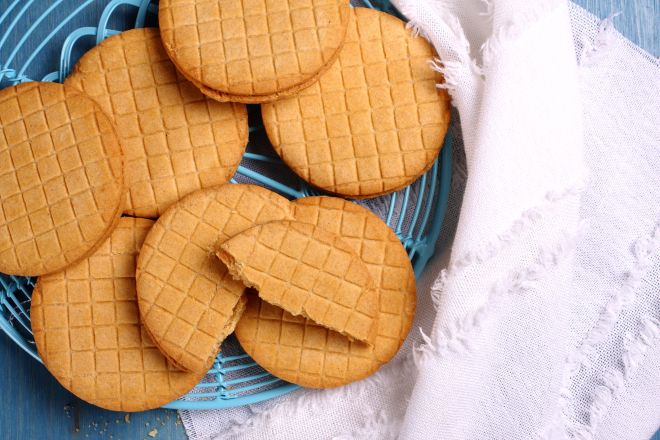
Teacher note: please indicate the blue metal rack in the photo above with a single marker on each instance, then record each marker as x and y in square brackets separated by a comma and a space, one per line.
[414, 213]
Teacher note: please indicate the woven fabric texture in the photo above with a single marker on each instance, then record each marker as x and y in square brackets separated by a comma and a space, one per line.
[547, 319]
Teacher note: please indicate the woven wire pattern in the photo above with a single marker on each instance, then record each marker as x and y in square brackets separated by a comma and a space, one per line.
[47, 50]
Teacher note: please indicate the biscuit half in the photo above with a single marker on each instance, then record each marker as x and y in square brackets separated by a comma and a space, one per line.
[308, 272]
[175, 139]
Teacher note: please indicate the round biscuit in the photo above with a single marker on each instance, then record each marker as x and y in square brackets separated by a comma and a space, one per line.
[247, 51]
[375, 120]
[175, 139]
[88, 333]
[188, 301]
[61, 177]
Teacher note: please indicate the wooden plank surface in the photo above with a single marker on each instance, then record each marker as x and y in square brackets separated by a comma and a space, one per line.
[34, 406]
[639, 19]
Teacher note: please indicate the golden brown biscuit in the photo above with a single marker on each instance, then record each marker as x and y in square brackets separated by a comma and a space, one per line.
[252, 51]
[303, 352]
[175, 139]
[374, 122]
[308, 272]
[385, 258]
[300, 351]
[61, 178]
[87, 329]
[188, 301]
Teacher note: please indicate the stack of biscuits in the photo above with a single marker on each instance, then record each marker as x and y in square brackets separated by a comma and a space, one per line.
[114, 192]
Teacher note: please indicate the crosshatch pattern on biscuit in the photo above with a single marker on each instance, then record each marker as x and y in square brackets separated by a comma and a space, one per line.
[375, 120]
[186, 294]
[87, 329]
[60, 176]
[252, 47]
[309, 272]
[176, 140]
[385, 258]
[300, 351]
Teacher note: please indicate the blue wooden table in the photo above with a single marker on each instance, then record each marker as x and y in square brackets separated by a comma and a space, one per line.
[34, 406]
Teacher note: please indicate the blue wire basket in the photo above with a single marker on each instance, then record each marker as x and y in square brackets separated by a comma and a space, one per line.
[42, 40]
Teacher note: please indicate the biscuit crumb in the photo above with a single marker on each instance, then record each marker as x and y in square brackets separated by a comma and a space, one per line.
[153, 433]
[127, 418]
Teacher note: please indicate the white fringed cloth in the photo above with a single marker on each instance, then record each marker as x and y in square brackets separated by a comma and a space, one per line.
[540, 315]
